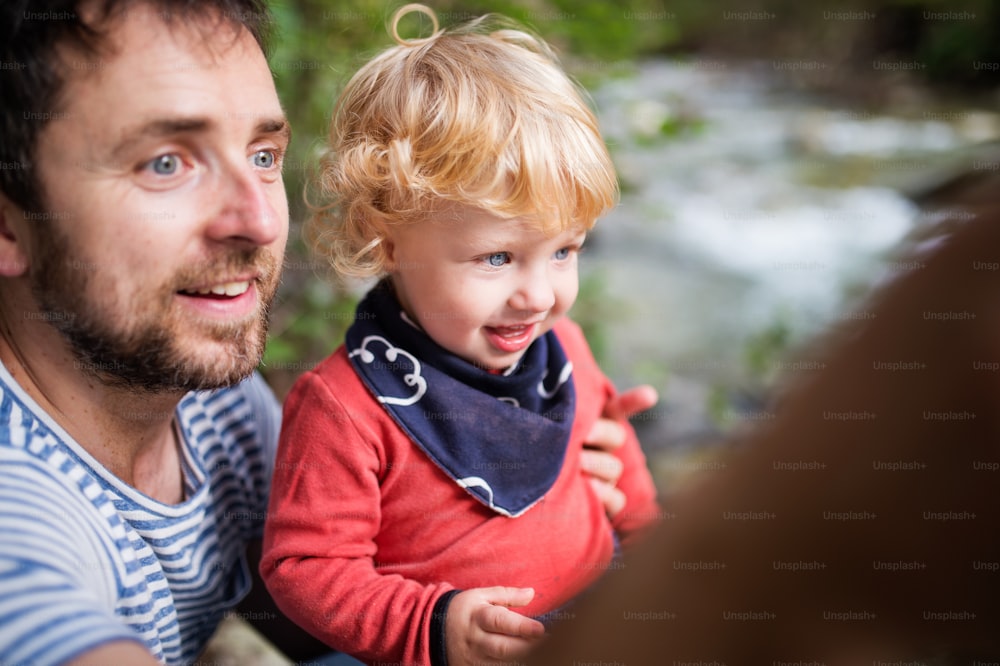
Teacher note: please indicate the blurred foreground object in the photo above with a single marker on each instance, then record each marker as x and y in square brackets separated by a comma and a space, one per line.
[237, 643]
[859, 523]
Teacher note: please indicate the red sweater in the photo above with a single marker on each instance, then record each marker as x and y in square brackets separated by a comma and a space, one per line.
[364, 532]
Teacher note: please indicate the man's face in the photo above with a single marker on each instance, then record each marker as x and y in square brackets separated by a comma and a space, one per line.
[166, 221]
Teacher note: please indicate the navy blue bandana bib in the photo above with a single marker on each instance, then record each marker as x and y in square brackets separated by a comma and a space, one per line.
[501, 437]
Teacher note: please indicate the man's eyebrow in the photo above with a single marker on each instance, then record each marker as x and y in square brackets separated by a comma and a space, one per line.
[168, 127]
[277, 126]
[159, 128]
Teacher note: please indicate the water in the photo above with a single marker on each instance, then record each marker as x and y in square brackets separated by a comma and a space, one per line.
[761, 210]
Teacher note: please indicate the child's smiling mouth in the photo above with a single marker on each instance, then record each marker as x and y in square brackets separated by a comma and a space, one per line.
[510, 339]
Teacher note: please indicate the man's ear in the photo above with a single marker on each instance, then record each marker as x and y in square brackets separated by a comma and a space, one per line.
[13, 256]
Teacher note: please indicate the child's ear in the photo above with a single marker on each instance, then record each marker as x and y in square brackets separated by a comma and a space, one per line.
[388, 252]
[13, 258]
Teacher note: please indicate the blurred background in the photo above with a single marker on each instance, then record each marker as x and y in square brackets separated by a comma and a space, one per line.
[777, 160]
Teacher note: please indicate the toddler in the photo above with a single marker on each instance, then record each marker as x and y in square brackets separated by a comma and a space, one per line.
[428, 476]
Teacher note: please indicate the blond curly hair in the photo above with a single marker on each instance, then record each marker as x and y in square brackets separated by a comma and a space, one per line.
[481, 114]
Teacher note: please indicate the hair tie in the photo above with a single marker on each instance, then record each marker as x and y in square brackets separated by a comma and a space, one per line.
[403, 11]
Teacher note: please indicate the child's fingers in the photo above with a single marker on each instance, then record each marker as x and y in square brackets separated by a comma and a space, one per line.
[482, 629]
[503, 621]
[507, 596]
[631, 402]
[506, 648]
[601, 465]
[606, 435]
[613, 499]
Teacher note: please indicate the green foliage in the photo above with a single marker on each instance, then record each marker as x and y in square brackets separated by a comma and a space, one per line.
[718, 406]
[592, 308]
[951, 47]
[764, 350]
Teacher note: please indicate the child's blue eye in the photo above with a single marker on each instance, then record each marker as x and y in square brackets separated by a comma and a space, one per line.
[562, 254]
[498, 259]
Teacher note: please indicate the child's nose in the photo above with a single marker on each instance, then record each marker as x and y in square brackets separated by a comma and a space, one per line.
[534, 292]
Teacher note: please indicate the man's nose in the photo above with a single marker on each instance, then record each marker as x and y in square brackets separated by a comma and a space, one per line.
[246, 211]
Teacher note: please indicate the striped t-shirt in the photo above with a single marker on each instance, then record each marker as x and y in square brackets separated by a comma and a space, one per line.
[86, 559]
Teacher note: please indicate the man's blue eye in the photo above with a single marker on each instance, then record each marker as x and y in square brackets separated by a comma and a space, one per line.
[165, 165]
[263, 159]
[498, 259]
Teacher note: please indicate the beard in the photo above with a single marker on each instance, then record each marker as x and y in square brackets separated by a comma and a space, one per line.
[138, 345]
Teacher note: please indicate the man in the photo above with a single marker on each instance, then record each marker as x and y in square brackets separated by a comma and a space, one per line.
[143, 220]
[140, 245]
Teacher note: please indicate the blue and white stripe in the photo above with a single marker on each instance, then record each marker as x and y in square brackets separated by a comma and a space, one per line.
[86, 559]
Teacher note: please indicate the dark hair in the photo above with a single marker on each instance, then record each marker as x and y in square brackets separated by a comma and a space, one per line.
[31, 76]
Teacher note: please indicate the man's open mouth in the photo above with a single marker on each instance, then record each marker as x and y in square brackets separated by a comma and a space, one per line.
[225, 289]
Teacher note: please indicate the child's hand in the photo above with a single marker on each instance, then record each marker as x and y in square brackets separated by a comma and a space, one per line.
[480, 628]
[607, 436]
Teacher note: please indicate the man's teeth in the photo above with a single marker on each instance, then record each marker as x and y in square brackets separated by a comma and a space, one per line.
[226, 289]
